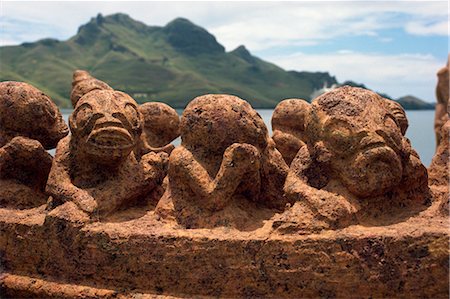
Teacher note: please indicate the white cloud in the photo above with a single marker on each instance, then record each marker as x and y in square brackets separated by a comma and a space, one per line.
[269, 25]
[396, 75]
[260, 25]
[422, 28]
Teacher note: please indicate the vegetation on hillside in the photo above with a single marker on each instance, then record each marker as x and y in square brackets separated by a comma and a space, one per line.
[172, 64]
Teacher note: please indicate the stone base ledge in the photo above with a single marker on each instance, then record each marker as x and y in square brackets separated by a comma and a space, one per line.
[16, 286]
[144, 255]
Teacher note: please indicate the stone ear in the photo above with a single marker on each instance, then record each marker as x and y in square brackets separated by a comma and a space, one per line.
[321, 153]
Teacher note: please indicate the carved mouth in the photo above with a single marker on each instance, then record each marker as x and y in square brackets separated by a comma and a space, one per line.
[111, 138]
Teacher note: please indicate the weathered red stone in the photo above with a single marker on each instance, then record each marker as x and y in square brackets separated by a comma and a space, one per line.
[227, 171]
[442, 96]
[161, 126]
[30, 123]
[288, 126]
[95, 167]
[356, 166]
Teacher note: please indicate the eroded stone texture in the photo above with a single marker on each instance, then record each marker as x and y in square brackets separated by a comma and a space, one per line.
[442, 96]
[95, 167]
[30, 123]
[399, 115]
[438, 172]
[83, 83]
[288, 125]
[227, 171]
[356, 167]
[161, 126]
[55, 255]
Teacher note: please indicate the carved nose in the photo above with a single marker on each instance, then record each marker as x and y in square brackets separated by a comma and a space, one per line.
[109, 120]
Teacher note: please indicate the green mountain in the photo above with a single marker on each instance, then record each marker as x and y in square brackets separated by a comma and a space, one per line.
[412, 103]
[172, 64]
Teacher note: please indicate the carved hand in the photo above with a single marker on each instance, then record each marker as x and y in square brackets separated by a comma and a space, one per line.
[154, 166]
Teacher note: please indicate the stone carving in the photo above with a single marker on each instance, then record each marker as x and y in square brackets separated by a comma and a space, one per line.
[288, 125]
[399, 115]
[356, 166]
[438, 175]
[83, 83]
[227, 171]
[30, 123]
[442, 96]
[160, 127]
[96, 167]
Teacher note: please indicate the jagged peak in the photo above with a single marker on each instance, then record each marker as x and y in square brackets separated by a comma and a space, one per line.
[191, 39]
[243, 53]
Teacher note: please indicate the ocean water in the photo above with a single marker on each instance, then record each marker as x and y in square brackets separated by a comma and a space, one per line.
[420, 131]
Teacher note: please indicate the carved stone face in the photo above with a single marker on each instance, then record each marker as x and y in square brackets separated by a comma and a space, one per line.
[363, 138]
[27, 111]
[106, 125]
[211, 123]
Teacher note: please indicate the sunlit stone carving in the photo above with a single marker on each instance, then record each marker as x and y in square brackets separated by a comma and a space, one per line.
[356, 166]
[95, 167]
[227, 171]
[30, 123]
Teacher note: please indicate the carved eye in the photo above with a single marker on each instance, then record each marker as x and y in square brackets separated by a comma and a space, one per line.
[340, 139]
[132, 114]
[83, 114]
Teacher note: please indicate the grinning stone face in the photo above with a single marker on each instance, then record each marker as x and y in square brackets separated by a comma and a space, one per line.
[363, 137]
[106, 125]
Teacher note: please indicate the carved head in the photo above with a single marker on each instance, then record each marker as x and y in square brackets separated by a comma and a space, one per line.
[27, 111]
[352, 130]
[106, 125]
[211, 123]
[399, 113]
[161, 123]
[83, 83]
[290, 115]
[288, 125]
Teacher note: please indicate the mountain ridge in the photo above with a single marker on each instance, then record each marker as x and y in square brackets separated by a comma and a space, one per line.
[171, 63]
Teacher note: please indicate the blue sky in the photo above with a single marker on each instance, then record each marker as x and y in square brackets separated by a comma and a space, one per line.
[394, 47]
